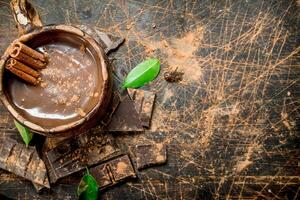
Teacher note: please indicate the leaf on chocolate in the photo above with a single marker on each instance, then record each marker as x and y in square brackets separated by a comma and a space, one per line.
[88, 187]
[25, 133]
[143, 73]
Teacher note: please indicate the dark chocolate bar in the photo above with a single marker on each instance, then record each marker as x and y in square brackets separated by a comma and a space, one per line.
[75, 154]
[150, 154]
[22, 161]
[144, 103]
[113, 172]
[125, 117]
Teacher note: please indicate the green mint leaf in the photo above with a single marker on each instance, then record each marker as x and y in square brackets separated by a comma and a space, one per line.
[143, 73]
[25, 133]
[88, 188]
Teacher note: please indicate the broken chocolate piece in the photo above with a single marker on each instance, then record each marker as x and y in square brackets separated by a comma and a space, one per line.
[113, 172]
[108, 42]
[144, 103]
[74, 154]
[150, 155]
[121, 168]
[22, 161]
[102, 174]
[173, 76]
[125, 118]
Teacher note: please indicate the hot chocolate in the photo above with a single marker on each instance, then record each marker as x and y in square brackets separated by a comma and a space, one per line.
[70, 86]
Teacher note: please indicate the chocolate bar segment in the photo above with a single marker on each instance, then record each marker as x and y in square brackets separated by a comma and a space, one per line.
[150, 155]
[121, 168]
[101, 174]
[20, 164]
[125, 118]
[75, 154]
[22, 161]
[113, 172]
[5, 151]
[144, 104]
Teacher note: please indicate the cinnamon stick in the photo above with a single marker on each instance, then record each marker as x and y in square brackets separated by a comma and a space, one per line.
[24, 76]
[20, 66]
[29, 51]
[28, 57]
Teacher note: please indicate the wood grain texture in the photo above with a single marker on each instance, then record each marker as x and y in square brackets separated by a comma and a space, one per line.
[232, 123]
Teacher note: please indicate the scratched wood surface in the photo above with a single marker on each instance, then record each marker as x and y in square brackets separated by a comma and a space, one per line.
[231, 125]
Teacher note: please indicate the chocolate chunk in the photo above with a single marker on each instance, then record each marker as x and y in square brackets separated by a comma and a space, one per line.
[125, 118]
[22, 161]
[107, 41]
[21, 165]
[144, 103]
[74, 154]
[173, 76]
[101, 174]
[121, 168]
[150, 155]
[5, 150]
[113, 172]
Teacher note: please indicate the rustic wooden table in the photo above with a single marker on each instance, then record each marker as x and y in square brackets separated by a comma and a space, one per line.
[231, 125]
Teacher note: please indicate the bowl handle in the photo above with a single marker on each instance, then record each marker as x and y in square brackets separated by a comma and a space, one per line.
[25, 15]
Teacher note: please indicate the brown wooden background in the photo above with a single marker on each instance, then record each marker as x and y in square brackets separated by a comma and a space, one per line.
[231, 125]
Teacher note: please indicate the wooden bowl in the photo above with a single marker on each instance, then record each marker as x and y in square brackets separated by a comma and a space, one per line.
[42, 36]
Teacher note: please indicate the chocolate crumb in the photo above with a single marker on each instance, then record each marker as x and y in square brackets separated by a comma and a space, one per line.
[173, 76]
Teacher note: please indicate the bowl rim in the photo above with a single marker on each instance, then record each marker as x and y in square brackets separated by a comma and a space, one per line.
[66, 127]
